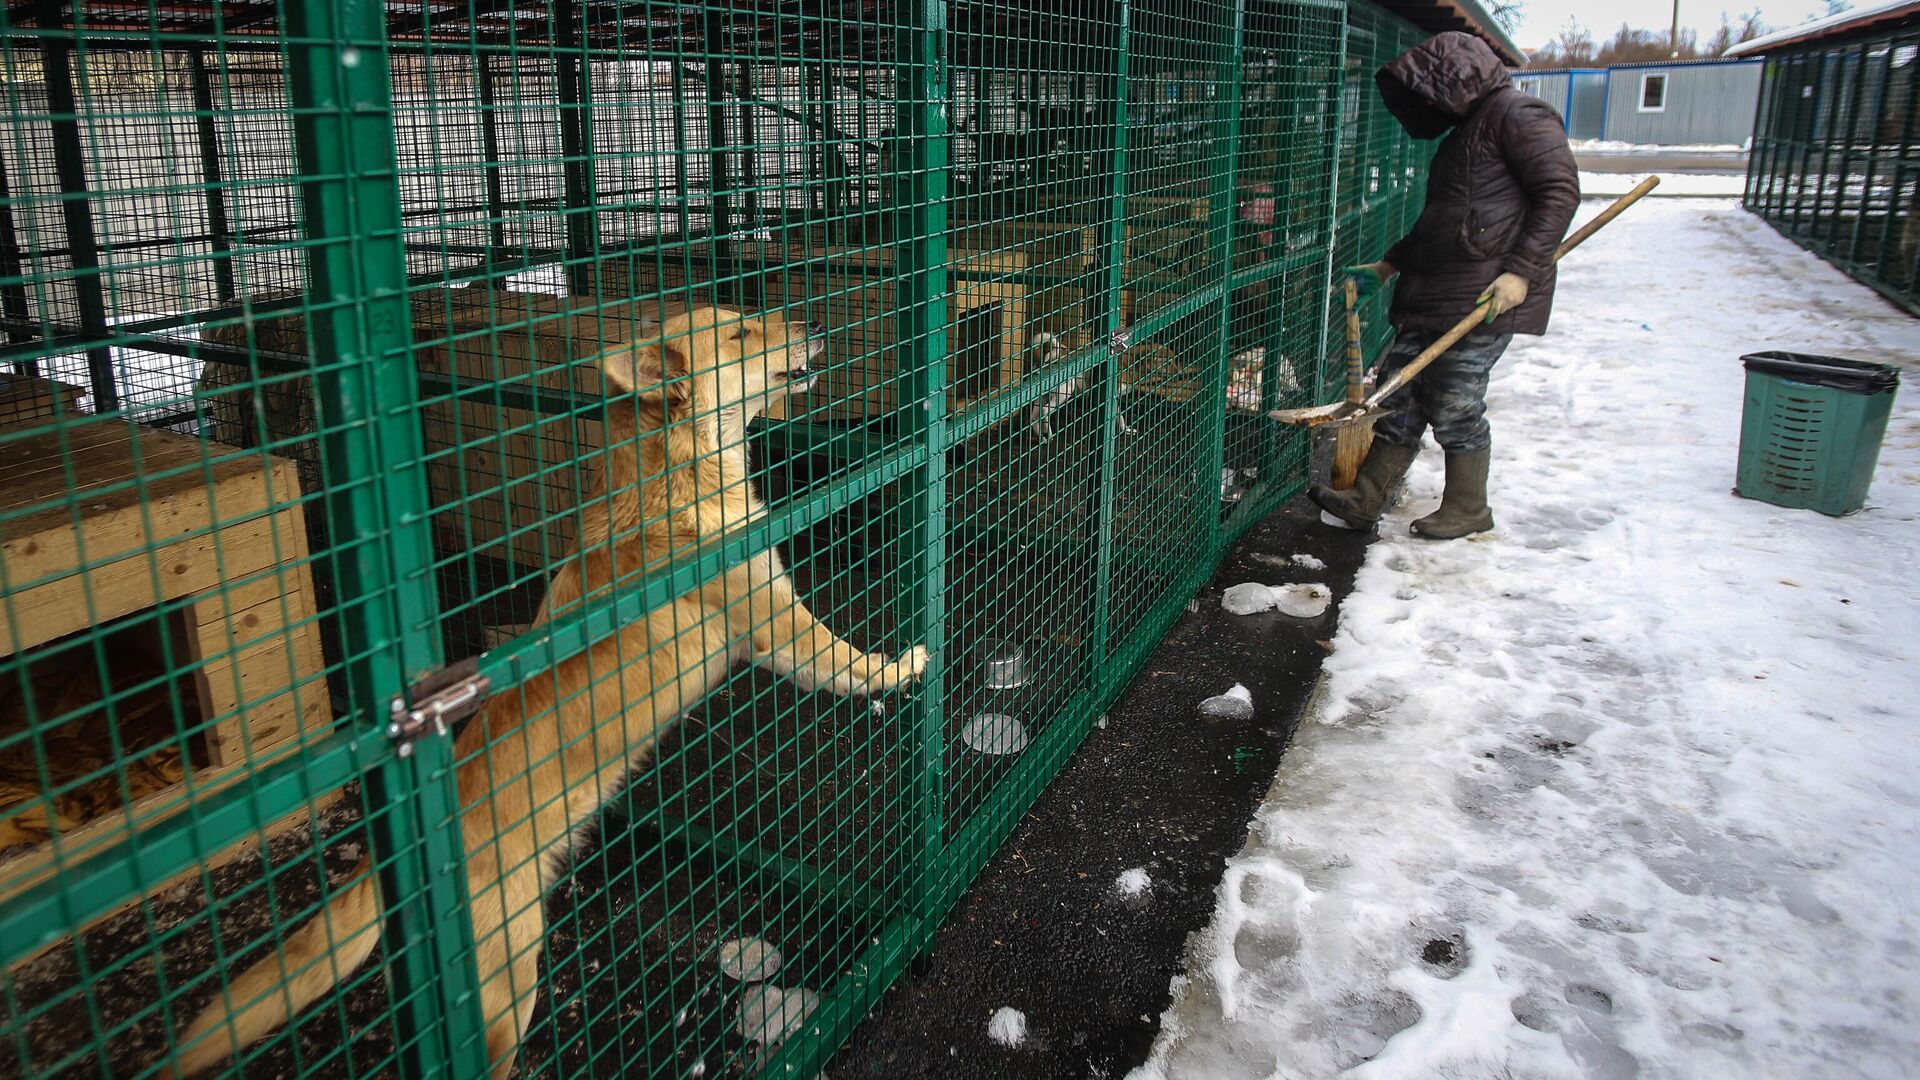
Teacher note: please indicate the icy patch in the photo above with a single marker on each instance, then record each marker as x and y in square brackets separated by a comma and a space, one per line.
[1247, 598]
[1008, 1027]
[1235, 704]
[1303, 600]
[770, 1013]
[1306, 600]
[1134, 882]
[995, 733]
[749, 959]
[1307, 562]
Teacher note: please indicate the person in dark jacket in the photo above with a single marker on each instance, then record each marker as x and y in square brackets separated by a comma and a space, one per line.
[1501, 192]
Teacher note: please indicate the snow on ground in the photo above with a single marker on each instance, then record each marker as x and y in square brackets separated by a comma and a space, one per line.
[1614, 185]
[1615, 146]
[1630, 786]
[1008, 1027]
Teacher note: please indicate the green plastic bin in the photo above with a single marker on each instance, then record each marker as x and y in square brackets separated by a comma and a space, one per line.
[1810, 434]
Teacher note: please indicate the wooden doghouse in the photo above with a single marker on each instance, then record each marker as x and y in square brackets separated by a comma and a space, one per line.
[109, 519]
[851, 292]
[29, 399]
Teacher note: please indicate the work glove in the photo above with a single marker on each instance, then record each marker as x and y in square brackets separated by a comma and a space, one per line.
[1507, 292]
[1370, 278]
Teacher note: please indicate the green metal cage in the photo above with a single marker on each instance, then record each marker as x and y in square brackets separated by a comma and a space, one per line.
[1833, 165]
[304, 303]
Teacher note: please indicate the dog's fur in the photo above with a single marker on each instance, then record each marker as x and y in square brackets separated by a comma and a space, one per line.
[537, 764]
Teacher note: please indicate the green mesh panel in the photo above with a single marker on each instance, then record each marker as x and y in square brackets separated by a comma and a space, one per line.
[303, 304]
[1832, 163]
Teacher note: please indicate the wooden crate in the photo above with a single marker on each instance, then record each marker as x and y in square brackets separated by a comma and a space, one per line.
[224, 539]
[28, 399]
[1166, 257]
[227, 536]
[852, 293]
[689, 282]
[1060, 254]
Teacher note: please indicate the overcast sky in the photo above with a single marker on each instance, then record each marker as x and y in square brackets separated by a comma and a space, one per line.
[1541, 19]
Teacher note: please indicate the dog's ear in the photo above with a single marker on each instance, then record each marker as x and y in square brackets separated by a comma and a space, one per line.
[647, 368]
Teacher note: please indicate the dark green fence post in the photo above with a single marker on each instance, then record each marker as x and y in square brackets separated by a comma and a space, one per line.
[1323, 338]
[219, 226]
[682, 182]
[1872, 145]
[483, 63]
[576, 152]
[1222, 190]
[921, 261]
[718, 200]
[13, 298]
[371, 450]
[1111, 269]
[70, 169]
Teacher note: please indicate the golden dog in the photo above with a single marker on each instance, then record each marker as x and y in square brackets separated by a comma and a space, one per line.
[531, 772]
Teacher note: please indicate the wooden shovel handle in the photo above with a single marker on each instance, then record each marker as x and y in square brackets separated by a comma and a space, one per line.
[1356, 360]
[1465, 326]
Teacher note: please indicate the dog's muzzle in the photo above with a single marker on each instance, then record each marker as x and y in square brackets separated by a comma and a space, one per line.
[800, 379]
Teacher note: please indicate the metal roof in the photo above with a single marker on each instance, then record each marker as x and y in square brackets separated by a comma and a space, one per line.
[1699, 62]
[1434, 16]
[1703, 62]
[1865, 17]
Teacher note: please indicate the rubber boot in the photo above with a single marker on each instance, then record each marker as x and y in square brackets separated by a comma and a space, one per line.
[1361, 505]
[1463, 509]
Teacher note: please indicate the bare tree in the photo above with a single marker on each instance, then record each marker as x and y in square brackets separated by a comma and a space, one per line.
[1575, 44]
[1743, 27]
[1571, 47]
[1722, 39]
[1631, 46]
[1507, 13]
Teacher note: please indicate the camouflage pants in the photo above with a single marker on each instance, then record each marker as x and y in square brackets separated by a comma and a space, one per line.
[1451, 394]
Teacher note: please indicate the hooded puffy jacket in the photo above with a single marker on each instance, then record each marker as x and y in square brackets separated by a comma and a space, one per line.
[1501, 192]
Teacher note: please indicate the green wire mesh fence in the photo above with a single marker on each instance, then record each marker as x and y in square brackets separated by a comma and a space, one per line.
[1833, 164]
[416, 416]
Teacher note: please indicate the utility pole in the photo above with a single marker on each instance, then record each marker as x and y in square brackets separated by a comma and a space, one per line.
[1673, 36]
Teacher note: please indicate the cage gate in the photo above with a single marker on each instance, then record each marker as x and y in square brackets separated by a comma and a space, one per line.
[343, 522]
[1832, 164]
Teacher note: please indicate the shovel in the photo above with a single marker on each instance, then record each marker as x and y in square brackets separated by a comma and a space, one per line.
[1352, 441]
[1350, 411]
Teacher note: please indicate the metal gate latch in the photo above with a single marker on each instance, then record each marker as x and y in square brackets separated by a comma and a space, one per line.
[441, 699]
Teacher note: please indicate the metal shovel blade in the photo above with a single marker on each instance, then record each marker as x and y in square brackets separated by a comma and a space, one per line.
[1314, 417]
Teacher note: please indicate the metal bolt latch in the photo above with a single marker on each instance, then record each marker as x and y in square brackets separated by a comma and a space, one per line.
[1121, 340]
[440, 700]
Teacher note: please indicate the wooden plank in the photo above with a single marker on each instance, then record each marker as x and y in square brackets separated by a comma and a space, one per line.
[60, 607]
[96, 454]
[249, 695]
[25, 399]
[43, 542]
